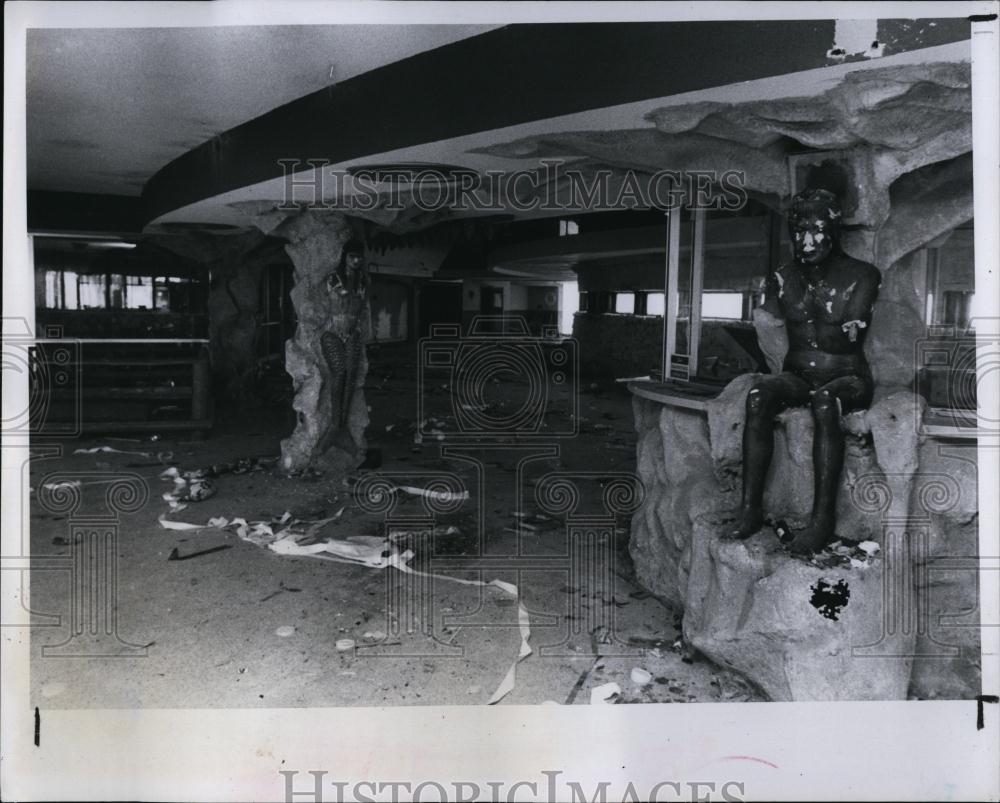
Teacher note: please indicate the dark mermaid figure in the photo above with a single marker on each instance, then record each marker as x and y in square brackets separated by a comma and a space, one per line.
[342, 346]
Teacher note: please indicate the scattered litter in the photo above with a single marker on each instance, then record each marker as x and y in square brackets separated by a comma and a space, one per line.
[175, 555]
[61, 485]
[374, 635]
[533, 522]
[604, 693]
[640, 677]
[368, 550]
[845, 553]
[284, 631]
[216, 523]
[438, 496]
[109, 449]
[290, 536]
[188, 487]
[473, 690]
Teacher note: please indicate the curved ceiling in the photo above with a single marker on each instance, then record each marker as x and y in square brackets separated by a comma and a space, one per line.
[108, 107]
[197, 118]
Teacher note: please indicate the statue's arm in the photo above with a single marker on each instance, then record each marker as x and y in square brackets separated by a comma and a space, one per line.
[861, 301]
[772, 288]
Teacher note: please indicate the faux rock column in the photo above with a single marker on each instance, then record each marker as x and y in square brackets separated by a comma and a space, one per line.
[325, 437]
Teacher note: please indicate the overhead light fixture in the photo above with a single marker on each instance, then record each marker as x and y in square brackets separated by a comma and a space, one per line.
[109, 244]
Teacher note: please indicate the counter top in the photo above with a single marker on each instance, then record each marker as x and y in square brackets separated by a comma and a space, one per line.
[695, 397]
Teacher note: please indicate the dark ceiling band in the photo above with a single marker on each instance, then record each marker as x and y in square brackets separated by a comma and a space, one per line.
[505, 77]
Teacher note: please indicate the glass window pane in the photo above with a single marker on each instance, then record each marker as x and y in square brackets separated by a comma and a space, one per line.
[722, 305]
[139, 292]
[92, 291]
[655, 304]
[951, 280]
[71, 299]
[117, 295]
[53, 289]
[625, 302]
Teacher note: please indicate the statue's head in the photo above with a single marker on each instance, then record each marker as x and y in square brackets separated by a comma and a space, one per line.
[814, 225]
[350, 274]
[352, 257]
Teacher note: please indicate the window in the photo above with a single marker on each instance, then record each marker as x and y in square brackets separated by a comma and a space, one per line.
[93, 291]
[625, 303]
[569, 305]
[716, 263]
[139, 292]
[951, 280]
[722, 305]
[655, 303]
[946, 375]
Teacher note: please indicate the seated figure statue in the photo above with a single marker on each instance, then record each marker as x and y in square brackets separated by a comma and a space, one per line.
[825, 299]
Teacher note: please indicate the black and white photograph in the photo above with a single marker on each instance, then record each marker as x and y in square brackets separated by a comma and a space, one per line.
[483, 401]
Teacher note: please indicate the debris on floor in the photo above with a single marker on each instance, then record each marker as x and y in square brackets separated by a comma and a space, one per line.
[605, 693]
[640, 677]
[109, 449]
[844, 553]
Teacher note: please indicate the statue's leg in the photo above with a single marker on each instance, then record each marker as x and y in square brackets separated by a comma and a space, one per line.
[829, 403]
[343, 438]
[765, 399]
[352, 350]
[335, 353]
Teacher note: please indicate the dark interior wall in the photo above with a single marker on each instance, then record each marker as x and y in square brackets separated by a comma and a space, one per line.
[391, 308]
[618, 345]
[537, 304]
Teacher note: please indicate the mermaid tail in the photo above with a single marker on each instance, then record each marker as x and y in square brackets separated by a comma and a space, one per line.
[342, 356]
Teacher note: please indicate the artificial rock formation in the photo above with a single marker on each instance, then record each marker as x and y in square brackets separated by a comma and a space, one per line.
[330, 420]
[746, 604]
[235, 262]
[789, 626]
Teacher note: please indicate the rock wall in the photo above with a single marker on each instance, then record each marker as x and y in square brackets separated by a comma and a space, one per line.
[747, 604]
[233, 329]
[235, 262]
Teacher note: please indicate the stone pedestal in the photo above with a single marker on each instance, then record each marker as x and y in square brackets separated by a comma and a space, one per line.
[743, 602]
[793, 628]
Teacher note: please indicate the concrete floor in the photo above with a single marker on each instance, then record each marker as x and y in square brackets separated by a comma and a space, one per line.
[210, 623]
